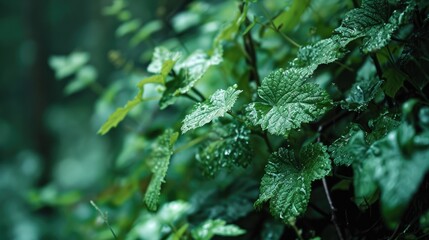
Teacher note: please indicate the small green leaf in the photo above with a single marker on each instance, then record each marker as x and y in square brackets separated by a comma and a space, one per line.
[227, 146]
[128, 27]
[120, 114]
[145, 32]
[349, 148]
[160, 56]
[219, 103]
[65, 66]
[159, 159]
[394, 81]
[84, 77]
[288, 100]
[286, 183]
[291, 16]
[211, 228]
[322, 52]
[364, 90]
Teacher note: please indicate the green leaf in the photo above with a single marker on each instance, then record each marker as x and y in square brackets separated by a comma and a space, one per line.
[291, 16]
[120, 113]
[84, 77]
[189, 72]
[159, 159]
[227, 146]
[145, 32]
[219, 103]
[286, 183]
[396, 164]
[374, 22]
[65, 66]
[394, 81]
[364, 90]
[128, 27]
[287, 101]
[211, 228]
[160, 56]
[322, 52]
[349, 148]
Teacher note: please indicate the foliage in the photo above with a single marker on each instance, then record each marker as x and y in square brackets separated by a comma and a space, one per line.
[340, 110]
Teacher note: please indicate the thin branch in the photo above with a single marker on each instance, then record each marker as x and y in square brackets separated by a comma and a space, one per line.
[377, 65]
[196, 91]
[104, 217]
[191, 97]
[333, 210]
[249, 47]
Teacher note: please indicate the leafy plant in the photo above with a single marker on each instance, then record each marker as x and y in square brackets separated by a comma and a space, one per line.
[248, 102]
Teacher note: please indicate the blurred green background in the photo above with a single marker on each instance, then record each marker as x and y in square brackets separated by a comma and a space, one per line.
[48, 138]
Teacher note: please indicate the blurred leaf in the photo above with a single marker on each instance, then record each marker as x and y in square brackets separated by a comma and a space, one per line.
[146, 31]
[84, 77]
[396, 164]
[65, 66]
[128, 27]
[286, 183]
[219, 103]
[159, 159]
[424, 222]
[291, 15]
[394, 81]
[215, 227]
[272, 230]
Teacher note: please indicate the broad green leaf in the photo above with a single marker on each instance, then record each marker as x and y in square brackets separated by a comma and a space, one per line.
[120, 114]
[396, 164]
[159, 159]
[286, 183]
[349, 148]
[364, 90]
[288, 100]
[322, 52]
[374, 22]
[219, 103]
[65, 66]
[210, 228]
[227, 146]
[230, 31]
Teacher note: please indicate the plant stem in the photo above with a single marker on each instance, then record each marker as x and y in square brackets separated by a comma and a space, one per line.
[377, 65]
[191, 143]
[104, 217]
[297, 231]
[249, 47]
[196, 91]
[333, 209]
[191, 97]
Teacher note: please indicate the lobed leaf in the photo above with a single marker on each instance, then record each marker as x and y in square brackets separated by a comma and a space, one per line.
[286, 183]
[288, 101]
[219, 103]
